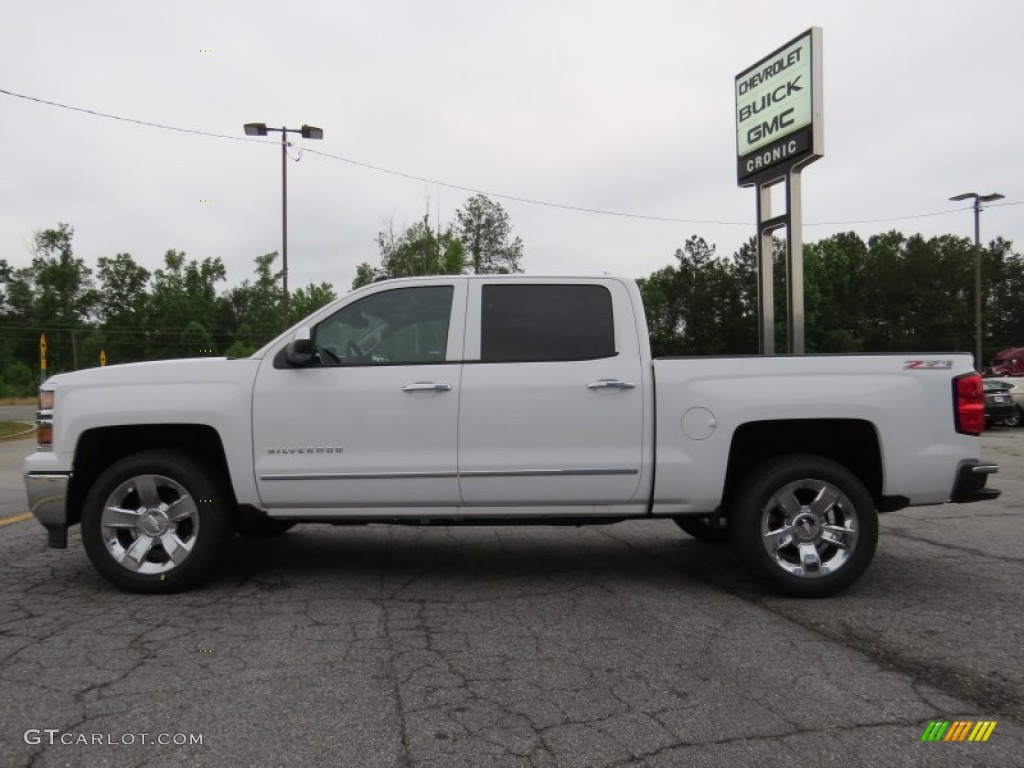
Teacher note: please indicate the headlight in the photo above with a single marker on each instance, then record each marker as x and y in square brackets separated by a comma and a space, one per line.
[44, 420]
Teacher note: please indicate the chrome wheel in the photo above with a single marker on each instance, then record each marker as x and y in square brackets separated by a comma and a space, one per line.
[806, 525]
[149, 524]
[809, 528]
[158, 521]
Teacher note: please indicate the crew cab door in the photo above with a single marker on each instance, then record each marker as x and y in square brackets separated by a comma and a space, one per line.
[552, 406]
[372, 420]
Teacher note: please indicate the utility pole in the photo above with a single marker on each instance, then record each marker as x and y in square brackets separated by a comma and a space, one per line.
[979, 364]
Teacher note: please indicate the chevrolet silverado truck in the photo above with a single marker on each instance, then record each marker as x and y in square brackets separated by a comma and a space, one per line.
[500, 400]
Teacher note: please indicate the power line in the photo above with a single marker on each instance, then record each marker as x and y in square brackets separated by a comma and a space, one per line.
[163, 333]
[516, 198]
[162, 126]
[477, 191]
[901, 218]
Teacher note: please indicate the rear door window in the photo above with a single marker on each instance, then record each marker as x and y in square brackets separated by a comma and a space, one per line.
[541, 323]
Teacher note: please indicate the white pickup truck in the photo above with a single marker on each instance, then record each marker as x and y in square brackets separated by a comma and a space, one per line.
[498, 400]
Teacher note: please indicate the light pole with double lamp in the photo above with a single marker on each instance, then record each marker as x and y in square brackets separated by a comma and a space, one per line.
[978, 200]
[307, 132]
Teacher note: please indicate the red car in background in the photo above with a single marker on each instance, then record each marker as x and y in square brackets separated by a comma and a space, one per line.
[1008, 362]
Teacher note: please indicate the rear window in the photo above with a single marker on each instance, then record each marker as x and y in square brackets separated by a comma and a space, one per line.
[538, 323]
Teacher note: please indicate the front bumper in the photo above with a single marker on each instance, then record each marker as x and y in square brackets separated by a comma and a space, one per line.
[47, 500]
[970, 482]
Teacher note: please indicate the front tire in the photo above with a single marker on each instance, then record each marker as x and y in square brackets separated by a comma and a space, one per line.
[157, 522]
[804, 524]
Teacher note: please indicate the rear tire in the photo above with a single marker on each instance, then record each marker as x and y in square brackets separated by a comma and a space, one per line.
[1016, 419]
[157, 522]
[804, 524]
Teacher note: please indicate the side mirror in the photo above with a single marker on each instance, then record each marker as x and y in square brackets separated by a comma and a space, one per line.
[299, 351]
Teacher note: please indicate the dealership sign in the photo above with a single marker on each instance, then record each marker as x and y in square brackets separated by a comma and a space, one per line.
[779, 112]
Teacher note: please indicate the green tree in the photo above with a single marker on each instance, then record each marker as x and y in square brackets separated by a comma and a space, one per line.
[484, 228]
[305, 301]
[123, 308]
[64, 287]
[197, 340]
[1003, 273]
[8, 320]
[836, 279]
[480, 243]
[55, 295]
[366, 273]
[6, 272]
[417, 251]
[184, 300]
[251, 312]
[700, 307]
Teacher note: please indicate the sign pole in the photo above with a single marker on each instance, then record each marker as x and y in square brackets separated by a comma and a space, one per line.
[794, 263]
[779, 130]
[765, 273]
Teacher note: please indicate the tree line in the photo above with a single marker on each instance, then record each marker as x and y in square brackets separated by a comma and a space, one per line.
[129, 313]
[889, 293]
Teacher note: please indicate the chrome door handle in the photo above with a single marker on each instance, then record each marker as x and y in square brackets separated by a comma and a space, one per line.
[611, 384]
[426, 386]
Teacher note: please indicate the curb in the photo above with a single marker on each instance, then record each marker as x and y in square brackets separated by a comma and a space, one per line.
[29, 429]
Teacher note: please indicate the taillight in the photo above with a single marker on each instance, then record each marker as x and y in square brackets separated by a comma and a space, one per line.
[969, 404]
[44, 419]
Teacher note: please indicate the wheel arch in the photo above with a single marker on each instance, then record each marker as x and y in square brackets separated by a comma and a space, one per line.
[853, 443]
[101, 447]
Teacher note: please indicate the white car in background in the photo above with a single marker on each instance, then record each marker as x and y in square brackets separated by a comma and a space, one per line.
[1016, 387]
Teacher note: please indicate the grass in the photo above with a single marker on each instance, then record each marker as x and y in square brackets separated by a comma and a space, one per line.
[8, 428]
[18, 400]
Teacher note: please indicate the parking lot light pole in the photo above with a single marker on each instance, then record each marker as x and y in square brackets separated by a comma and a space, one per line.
[307, 132]
[978, 200]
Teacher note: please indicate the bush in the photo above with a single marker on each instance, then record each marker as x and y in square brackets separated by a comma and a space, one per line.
[20, 380]
[239, 349]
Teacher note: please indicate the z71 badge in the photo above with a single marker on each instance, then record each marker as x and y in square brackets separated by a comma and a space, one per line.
[930, 365]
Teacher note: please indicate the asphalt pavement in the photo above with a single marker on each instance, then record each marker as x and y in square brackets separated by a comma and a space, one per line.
[622, 645]
[17, 412]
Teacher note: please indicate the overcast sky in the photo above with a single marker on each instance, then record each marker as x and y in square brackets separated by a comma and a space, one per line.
[620, 106]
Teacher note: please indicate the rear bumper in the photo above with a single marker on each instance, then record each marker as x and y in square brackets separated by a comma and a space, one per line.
[1000, 411]
[970, 482]
[47, 500]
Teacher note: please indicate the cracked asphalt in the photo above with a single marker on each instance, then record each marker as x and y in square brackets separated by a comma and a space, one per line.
[622, 645]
